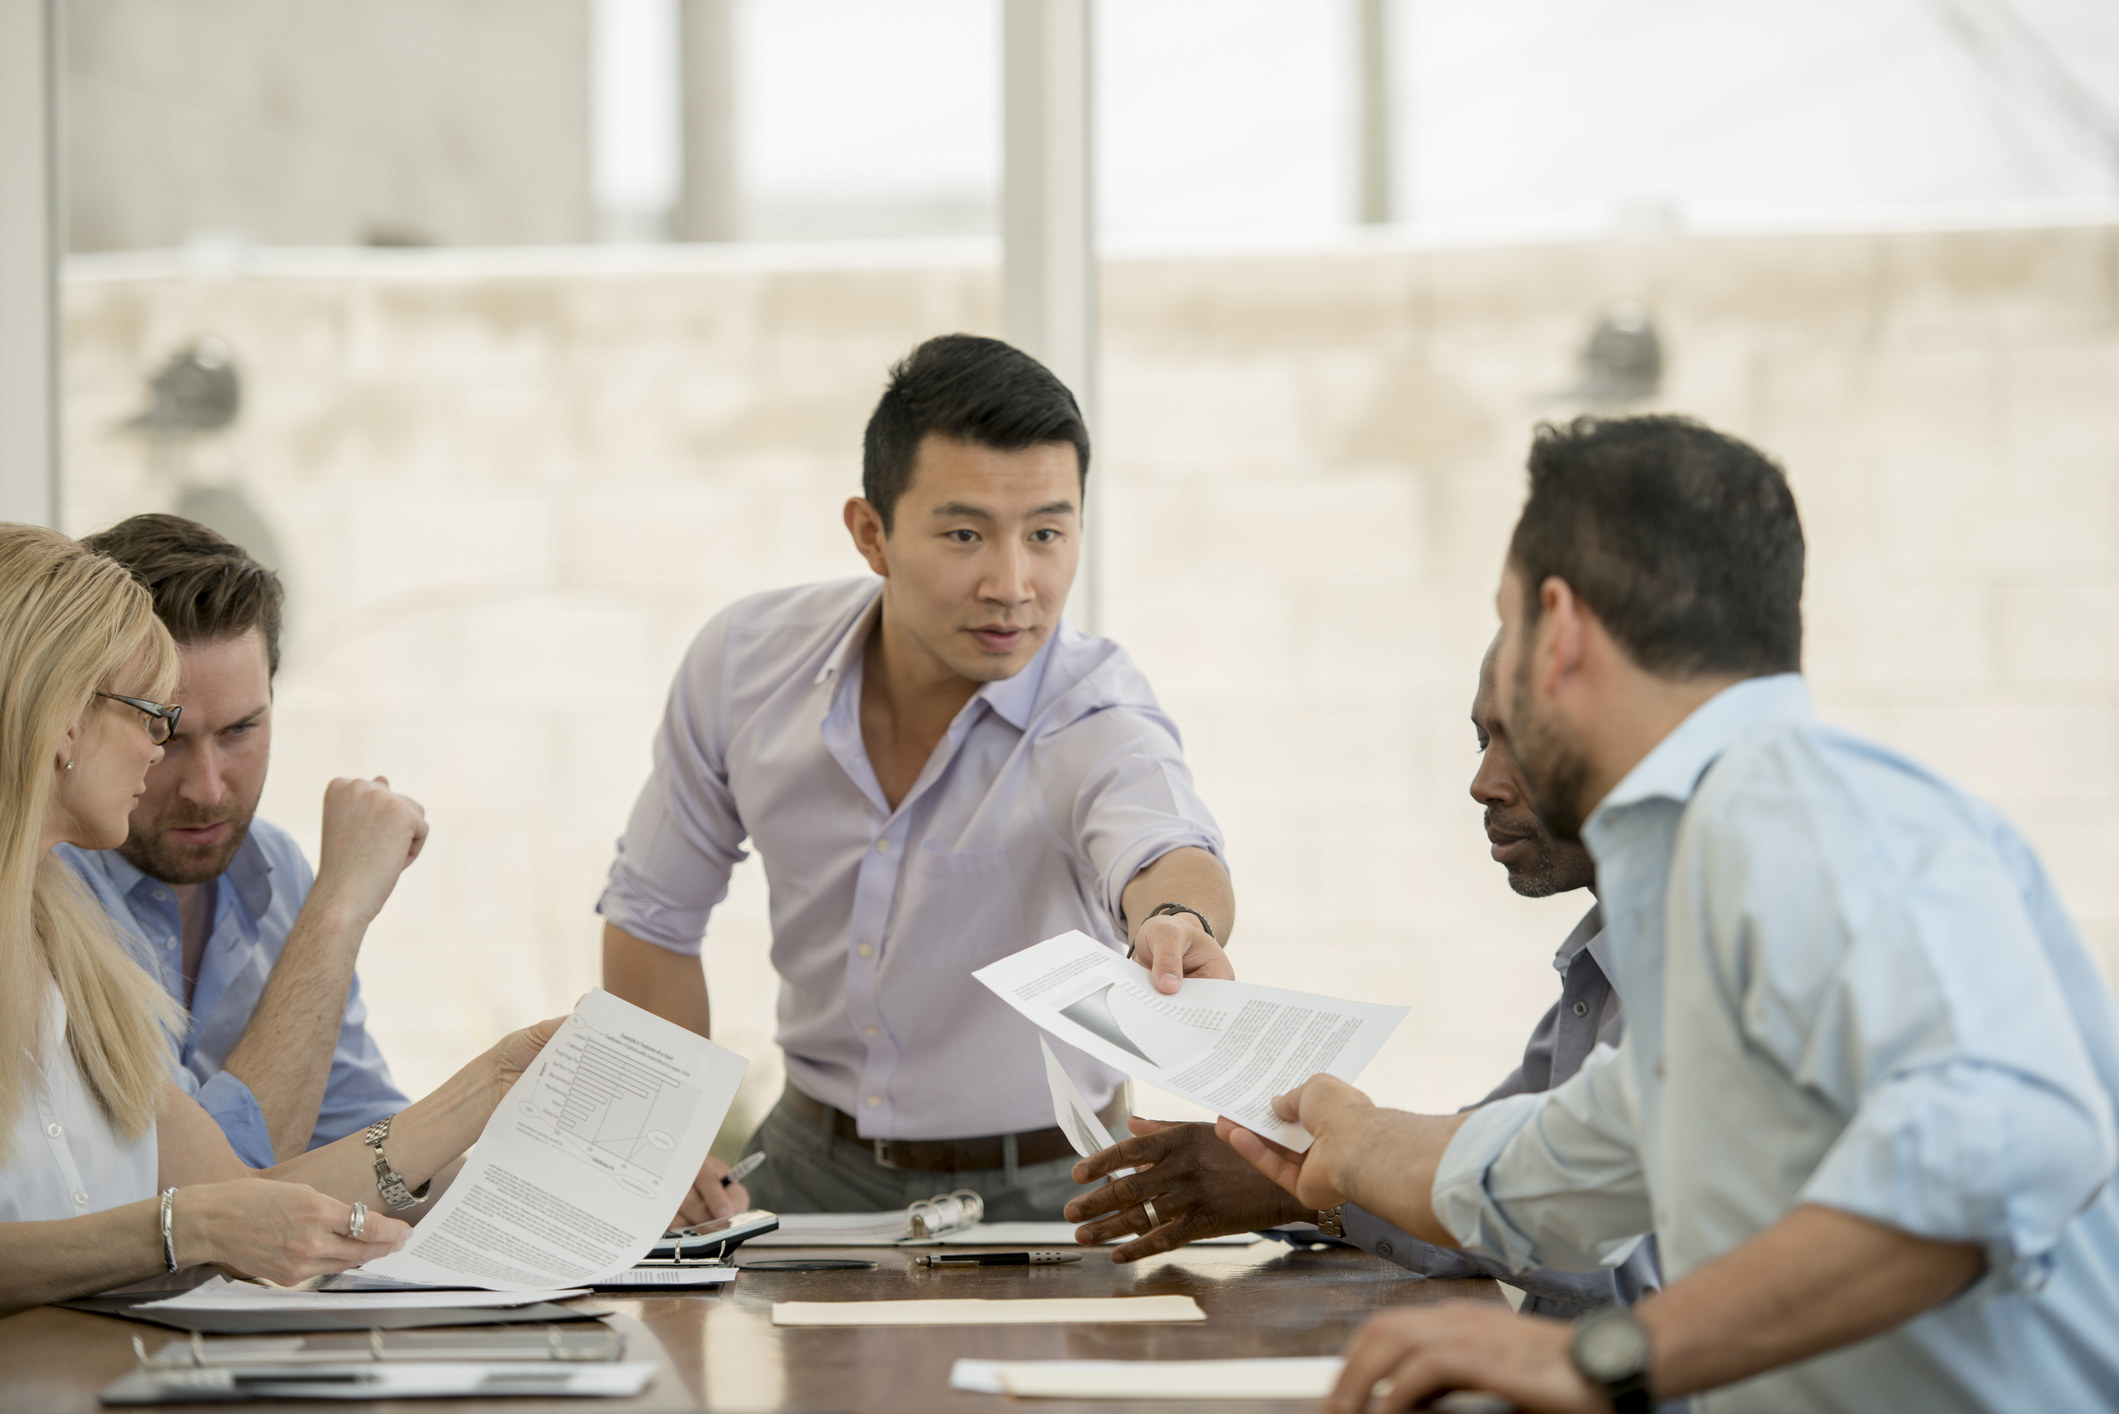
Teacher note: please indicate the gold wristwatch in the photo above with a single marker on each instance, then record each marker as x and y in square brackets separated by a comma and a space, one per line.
[1328, 1221]
[388, 1181]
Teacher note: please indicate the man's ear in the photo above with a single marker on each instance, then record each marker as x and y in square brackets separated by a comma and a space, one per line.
[1559, 642]
[865, 524]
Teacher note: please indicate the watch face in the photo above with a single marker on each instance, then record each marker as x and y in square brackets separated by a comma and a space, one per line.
[1611, 1347]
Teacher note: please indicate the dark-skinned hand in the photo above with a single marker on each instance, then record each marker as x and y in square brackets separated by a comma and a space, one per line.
[1201, 1188]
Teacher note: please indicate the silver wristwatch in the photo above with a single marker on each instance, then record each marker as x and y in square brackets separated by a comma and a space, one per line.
[388, 1181]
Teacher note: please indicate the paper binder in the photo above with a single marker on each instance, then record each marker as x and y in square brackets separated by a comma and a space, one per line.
[554, 1361]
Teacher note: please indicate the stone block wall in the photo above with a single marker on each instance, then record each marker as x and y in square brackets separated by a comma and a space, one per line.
[509, 489]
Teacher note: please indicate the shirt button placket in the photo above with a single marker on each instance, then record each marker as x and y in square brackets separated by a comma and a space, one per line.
[876, 888]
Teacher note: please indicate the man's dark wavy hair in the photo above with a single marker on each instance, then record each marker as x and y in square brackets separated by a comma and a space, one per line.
[205, 587]
[974, 389]
[1684, 541]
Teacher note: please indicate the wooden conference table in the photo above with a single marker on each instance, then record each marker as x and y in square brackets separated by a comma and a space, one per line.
[718, 1349]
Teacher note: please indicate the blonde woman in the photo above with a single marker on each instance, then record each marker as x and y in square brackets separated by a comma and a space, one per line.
[108, 1172]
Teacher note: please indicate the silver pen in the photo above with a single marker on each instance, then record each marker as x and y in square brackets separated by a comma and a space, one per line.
[743, 1170]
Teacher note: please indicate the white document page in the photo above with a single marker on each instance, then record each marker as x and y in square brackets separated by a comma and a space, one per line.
[1298, 1377]
[1231, 1046]
[221, 1294]
[973, 1311]
[1035, 1234]
[884, 1229]
[1077, 1119]
[583, 1165]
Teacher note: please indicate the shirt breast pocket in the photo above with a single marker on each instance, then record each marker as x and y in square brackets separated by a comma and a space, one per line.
[959, 910]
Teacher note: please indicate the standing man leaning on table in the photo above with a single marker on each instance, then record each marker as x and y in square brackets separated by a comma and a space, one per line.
[1200, 1187]
[1865, 1100]
[936, 773]
[219, 905]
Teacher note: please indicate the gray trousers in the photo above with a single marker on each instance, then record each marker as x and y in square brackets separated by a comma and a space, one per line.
[808, 1169]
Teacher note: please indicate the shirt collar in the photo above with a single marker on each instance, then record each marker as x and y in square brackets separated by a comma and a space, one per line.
[855, 639]
[249, 874]
[1672, 771]
[1585, 932]
[1012, 698]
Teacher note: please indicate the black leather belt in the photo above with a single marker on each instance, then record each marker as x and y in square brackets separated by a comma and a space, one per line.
[1035, 1146]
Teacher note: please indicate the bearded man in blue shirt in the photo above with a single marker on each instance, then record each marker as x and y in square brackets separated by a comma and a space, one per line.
[1865, 1097]
[219, 904]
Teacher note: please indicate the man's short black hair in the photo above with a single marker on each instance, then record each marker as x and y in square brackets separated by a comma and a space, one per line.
[973, 389]
[1684, 541]
[205, 587]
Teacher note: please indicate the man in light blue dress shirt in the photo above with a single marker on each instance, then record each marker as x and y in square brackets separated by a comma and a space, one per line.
[936, 772]
[221, 905]
[1865, 1101]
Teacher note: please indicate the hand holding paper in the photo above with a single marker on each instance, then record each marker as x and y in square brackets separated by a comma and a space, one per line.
[581, 1167]
[1312, 1175]
[1231, 1046]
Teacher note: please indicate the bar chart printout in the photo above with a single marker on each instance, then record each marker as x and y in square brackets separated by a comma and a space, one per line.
[585, 1161]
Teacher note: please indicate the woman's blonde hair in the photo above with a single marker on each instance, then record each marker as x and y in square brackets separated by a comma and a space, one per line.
[70, 623]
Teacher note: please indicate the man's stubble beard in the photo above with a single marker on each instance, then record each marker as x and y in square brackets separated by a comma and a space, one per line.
[1541, 878]
[1554, 772]
[159, 859]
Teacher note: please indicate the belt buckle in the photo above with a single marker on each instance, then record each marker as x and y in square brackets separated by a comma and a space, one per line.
[883, 1159]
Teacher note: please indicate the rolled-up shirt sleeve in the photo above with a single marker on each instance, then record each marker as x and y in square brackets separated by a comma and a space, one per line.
[229, 1104]
[685, 836]
[1126, 798]
[1552, 1179]
[1912, 996]
[1966, 1152]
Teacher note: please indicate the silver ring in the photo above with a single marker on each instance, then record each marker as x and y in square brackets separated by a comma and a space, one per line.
[359, 1225]
[1147, 1205]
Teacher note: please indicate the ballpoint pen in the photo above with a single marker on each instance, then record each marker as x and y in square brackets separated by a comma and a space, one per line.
[996, 1259]
[743, 1169]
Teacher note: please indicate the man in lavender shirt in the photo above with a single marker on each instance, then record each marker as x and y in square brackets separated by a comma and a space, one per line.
[936, 772]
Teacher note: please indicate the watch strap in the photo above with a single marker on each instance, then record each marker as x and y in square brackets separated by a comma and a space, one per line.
[1330, 1221]
[389, 1183]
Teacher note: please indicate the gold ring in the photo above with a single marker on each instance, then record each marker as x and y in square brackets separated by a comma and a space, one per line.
[1147, 1205]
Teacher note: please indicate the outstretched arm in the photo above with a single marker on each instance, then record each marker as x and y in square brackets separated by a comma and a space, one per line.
[1817, 1280]
[222, 1214]
[1385, 1160]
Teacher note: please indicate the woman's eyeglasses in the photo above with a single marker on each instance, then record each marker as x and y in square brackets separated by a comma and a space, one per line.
[161, 716]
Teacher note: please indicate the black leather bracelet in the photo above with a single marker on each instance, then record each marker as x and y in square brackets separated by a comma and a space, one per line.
[1164, 910]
